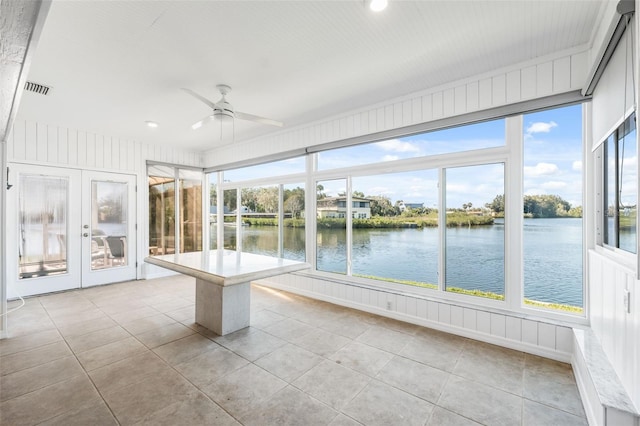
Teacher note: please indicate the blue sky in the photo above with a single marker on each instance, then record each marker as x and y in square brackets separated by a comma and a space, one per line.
[552, 162]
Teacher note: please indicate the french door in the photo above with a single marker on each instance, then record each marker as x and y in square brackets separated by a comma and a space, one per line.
[69, 229]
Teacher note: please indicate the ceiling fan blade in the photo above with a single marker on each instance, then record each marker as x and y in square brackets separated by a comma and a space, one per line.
[212, 105]
[206, 120]
[255, 118]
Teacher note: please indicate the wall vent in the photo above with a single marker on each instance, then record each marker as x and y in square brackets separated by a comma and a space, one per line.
[37, 88]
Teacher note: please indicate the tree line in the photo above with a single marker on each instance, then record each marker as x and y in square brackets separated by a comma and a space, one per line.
[539, 206]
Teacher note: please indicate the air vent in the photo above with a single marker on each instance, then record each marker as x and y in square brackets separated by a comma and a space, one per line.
[36, 88]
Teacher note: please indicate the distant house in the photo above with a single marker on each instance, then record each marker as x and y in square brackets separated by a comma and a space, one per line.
[411, 206]
[336, 207]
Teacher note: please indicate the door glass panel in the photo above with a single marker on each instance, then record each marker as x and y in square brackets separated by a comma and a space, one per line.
[108, 224]
[161, 215]
[190, 183]
[43, 229]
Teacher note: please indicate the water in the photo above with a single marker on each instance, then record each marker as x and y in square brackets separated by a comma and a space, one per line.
[475, 256]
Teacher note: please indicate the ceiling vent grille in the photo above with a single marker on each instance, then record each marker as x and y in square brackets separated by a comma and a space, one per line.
[37, 88]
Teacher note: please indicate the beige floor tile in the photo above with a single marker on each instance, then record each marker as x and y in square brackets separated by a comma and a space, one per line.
[342, 420]
[492, 365]
[24, 381]
[332, 384]
[187, 313]
[381, 404]
[289, 329]
[163, 335]
[110, 353]
[185, 349]
[535, 414]
[290, 407]
[31, 358]
[172, 304]
[558, 392]
[84, 327]
[363, 358]
[196, 410]
[264, 318]
[134, 402]
[67, 318]
[128, 316]
[88, 341]
[481, 403]
[13, 345]
[141, 325]
[385, 339]
[127, 371]
[442, 417]
[94, 415]
[210, 366]
[289, 362]
[243, 390]
[49, 402]
[415, 378]
[436, 351]
[322, 342]
[251, 343]
[350, 326]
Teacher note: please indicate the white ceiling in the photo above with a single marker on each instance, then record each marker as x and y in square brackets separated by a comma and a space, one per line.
[115, 64]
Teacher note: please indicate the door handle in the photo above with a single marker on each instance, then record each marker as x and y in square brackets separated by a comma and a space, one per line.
[85, 234]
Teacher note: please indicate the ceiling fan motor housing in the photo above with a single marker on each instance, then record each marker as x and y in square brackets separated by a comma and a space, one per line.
[223, 111]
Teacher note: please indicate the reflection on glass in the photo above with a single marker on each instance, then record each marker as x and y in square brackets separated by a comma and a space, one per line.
[108, 224]
[610, 236]
[294, 238]
[474, 239]
[43, 225]
[331, 238]
[395, 238]
[213, 211]
[628, 186]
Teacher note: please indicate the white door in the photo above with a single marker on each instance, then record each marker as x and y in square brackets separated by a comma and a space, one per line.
[48, 209]
[108, 228]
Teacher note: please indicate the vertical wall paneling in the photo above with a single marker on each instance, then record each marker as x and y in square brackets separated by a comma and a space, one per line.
[457, 316]
[63, 146]
[416, 110]
[72, 144]
[513, 329]
[460, 100]
[483, 322]
[52, 144]
[544, 79]
[499, 90]
[485, 93]
[444, 313]
[41, 148]
[398, 120]
[432, 310]
[498, 325]
[389, 112]
[513, 86]
[438, 105]
[470, 319]
[427, 108]
[448, 102]
[530, 332]
[547, 335]
[472, 96]
[529, 80]
[562, 74]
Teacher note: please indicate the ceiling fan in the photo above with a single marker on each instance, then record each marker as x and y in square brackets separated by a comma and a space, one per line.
[223, 110]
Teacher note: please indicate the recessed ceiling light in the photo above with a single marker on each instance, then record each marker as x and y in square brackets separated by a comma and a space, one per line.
[151, 124]
[378, 5]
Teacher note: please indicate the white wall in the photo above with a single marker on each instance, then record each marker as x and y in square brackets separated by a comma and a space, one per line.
[552, 75]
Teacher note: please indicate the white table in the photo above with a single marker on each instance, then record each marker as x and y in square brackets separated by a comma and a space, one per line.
[223, 283]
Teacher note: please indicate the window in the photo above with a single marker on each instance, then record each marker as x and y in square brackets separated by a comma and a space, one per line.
[169, 214]
[474, 238]
[293, 233]
[552, 207]
[331, 230]
[620, 187]
[259, 213]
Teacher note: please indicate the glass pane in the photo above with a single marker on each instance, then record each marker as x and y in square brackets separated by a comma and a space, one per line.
[161, 215]
[230, 210]
[628, 181]
[43, 225]
[552, 233]
[276, 168]
[294, 223]
[259, 213]
[474, 248]
[108, 224]
[190, 211]
[488, 134]
[213, 211]
[331, 238]
[395, 234]
[610, 236]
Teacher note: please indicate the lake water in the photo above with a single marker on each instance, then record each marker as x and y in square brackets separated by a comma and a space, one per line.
[475, 256]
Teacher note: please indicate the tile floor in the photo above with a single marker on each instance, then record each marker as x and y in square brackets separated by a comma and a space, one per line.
[131, 353]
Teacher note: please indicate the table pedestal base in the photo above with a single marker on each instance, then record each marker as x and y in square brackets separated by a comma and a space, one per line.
[222, 309]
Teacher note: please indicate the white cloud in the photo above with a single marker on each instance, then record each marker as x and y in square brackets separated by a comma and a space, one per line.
[541, 127]
[396, 145]
[390, 158]
[541, 169]
[577, 166]
[553, 185]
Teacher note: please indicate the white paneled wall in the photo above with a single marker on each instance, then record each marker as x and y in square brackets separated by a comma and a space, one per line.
[59, 146]
[532, 336]
[554, 75]
[617, 329]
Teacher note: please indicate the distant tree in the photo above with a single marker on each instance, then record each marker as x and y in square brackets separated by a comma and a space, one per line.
[358, 194]
[546, 206]
[294, 201]
[381, 206]
[267, 200]
[320, 192]
[497, 205]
